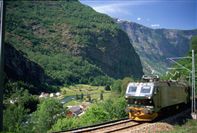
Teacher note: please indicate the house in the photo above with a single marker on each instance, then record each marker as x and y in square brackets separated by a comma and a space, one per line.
[43, 95]
[57, 94]
[51, 95]
[74, 111]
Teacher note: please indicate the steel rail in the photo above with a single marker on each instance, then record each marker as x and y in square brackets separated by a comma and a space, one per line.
[104, 124]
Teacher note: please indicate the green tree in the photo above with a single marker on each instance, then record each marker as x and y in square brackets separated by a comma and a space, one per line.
[95, 114]
[18, 106]
[102, 80]
[101, 112]
[101, 96]
[107, 88]
[119, 86]
[65, 124]
[81, 96]
[116, 86]
[48, 112]
[89, 97]
[14, 117]
[77, 97]
[124, 84]
[115, 107]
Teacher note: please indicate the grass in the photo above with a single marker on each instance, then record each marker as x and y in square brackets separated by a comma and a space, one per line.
[93, 91]
[82, 88]
[189, 127]
[73, 102]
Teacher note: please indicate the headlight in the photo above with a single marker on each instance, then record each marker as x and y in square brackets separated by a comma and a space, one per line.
[148, 110]
[145, 111]
[149, 107]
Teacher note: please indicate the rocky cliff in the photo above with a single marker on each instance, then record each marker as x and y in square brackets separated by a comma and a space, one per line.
[154, 46]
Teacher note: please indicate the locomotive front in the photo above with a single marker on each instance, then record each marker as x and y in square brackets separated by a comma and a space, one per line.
[140, 101]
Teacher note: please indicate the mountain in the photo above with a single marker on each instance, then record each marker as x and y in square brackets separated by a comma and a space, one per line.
[18, 67]
[154, 46]
[61, 42]
[187, 63]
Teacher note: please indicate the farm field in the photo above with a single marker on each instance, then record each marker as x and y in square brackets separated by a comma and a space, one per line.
[77, 94]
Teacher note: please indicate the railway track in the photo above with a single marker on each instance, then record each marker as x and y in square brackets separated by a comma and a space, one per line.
[109, 127]
[127, 125]
[165, 123]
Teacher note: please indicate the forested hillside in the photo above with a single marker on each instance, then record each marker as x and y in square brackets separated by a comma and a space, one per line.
[69, 43]
[154, 46]
[50, 45]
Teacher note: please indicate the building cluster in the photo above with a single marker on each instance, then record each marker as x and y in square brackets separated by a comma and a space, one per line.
[45, 95]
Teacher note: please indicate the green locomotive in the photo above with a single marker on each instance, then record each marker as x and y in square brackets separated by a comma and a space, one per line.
[147, 99]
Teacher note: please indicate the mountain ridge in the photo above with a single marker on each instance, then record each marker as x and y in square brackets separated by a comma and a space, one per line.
[71, 42]
[129, 21]
[154, 46]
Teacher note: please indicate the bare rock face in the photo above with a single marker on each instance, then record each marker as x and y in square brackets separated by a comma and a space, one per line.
[117, 58]
[155, 45]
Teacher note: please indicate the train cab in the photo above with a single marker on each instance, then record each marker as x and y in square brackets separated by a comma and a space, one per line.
[152, 97]
[140, 101]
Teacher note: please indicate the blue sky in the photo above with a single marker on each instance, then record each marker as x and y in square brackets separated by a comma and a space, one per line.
[171, 14]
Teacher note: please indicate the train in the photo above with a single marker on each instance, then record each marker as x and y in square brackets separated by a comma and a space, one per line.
[151, 97]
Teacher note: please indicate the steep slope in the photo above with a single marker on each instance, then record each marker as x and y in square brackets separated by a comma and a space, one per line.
[71, 42]
[155, 45]
[20, 68]
[183, 73]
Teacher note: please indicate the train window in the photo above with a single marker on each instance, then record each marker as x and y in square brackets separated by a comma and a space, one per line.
[132, 89]
[145, 89]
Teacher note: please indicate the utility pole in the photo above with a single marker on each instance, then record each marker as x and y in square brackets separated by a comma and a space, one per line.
[192, 73]
[193, 87]
[1, 63]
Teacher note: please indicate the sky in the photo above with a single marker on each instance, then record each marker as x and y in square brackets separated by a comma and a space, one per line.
[170, 14]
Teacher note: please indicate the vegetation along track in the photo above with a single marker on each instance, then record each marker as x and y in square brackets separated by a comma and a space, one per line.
[127, 125]
[112, 126]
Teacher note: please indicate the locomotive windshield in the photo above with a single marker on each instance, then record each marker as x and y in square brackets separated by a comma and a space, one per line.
[139, 89]
[145, 89]
[132, 89]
